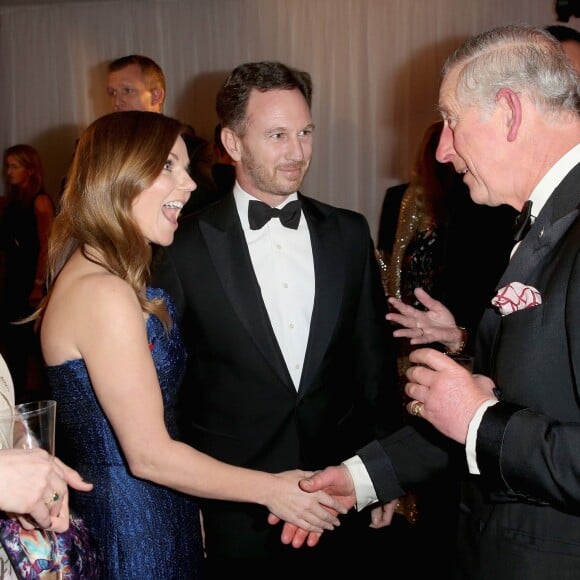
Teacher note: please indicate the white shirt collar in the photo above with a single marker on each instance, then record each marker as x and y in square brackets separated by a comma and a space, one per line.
[552, 179]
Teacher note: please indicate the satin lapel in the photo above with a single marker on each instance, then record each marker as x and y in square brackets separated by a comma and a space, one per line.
[555, 219]
[534, 249]
[229, 253]
[329, 278]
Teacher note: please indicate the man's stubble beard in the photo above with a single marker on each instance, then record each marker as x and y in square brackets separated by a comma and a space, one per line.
[262, 180]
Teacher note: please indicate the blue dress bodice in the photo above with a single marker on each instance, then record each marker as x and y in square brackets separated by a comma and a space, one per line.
[143, 530]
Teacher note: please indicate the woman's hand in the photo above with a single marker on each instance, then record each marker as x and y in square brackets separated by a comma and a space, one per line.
[34, 488]
[382, 515]
[435, 324]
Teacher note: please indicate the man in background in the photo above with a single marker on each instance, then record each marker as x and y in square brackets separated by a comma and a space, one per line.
[136, 83]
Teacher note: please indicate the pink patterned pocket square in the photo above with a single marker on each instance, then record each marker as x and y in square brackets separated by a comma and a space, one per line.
[516, 296]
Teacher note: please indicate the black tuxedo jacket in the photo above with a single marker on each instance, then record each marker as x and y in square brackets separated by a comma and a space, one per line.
[239, 403]
[522, 514]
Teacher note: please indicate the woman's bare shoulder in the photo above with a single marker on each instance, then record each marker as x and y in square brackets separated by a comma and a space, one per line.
[82, 306]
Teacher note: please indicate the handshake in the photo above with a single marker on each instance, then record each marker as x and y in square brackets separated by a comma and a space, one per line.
[335, 491]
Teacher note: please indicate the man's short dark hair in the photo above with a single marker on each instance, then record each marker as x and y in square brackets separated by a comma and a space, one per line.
[232, 98]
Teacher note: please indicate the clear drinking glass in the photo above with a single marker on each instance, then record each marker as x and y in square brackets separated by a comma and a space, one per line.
[30, 425]
[464, 360]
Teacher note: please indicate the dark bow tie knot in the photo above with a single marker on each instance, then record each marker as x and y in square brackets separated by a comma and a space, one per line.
[523, 222]
[260, 213]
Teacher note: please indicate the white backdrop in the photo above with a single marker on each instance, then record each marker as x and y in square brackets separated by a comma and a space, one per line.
[375, 66]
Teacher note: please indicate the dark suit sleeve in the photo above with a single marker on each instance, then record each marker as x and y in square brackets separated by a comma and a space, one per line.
[530, 456]
[407, 458]
[401, 456]
[374, 353]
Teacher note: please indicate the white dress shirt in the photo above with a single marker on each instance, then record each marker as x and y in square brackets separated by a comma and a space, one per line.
[284, 267]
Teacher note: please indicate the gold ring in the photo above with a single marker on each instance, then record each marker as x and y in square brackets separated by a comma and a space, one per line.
[416, 408]
[53, 498]
[422, 331]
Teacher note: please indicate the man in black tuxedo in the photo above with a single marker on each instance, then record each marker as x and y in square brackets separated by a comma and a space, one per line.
[509, 99]
[291, 360]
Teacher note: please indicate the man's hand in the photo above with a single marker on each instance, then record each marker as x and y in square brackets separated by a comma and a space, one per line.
[450, 394]
[335, 481]
[382, 515]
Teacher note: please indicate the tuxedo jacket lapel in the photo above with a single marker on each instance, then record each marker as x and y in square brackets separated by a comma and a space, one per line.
[556, 217]
[329, 281]
[229, 253]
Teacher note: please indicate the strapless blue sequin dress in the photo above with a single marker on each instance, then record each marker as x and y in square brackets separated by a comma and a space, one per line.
[142, 530]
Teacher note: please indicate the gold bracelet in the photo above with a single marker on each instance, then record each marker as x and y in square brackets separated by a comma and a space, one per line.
[461, 343]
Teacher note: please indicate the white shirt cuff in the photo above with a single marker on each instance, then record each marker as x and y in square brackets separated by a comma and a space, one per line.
[363, 486]
[472, 436]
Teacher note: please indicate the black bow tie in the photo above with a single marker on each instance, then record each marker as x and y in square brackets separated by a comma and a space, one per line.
[523, 222]
[260, 213]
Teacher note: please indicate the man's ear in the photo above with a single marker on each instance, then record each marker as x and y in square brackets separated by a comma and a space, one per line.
[511, 104]
[232, 143]
[157, 96]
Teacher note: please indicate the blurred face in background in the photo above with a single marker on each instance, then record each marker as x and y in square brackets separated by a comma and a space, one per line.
[16, 174]
[129, 90]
